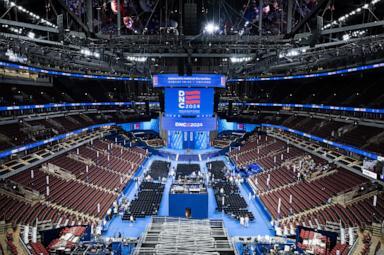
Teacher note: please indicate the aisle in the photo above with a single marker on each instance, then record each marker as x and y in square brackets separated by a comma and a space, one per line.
[260, 226]
[117, 226]
[164, 206]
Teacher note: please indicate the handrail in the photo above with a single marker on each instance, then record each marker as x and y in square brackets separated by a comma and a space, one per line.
[354, 247]
[331, 143]
[18, 149]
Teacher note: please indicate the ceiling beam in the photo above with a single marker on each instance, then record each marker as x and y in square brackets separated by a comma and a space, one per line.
[74, 17]
[344, 29]
[302, 23]
[28, 25]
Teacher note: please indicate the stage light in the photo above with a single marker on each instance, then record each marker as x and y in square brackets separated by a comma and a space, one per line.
[18, 31]
[14, 57]
[345, 17]
[31, 14]
[31, 35]
[240, 60]
[88, 53]
[292, 52]
[137, 59]
[346, 37]
[211, 28]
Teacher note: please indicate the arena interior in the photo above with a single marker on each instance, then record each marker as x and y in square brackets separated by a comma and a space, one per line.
[170, 127]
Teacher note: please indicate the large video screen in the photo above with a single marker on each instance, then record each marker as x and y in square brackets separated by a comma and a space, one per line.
[189, 102]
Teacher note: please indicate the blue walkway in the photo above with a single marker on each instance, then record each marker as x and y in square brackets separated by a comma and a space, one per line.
[164, 206]
[261, 224]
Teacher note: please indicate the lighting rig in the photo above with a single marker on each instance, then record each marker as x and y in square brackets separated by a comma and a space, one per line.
[351, 14]
[210, 51]
[32, 15]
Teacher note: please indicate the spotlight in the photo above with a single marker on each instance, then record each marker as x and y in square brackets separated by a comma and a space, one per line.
[137, 59]
[350, 14]
[31, 14]
[240, 60]
[211, 28]
[31, 35]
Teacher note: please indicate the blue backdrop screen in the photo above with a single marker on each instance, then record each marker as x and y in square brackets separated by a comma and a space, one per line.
[224, 125]
[189, 102]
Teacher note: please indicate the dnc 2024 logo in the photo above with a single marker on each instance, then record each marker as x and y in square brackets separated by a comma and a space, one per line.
[189, 99]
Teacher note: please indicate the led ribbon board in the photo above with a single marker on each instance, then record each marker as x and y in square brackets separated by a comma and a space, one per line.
[161, 80]
[310, 75]
[71, 75]
[194, 81]
[62, 105]
[315, 106]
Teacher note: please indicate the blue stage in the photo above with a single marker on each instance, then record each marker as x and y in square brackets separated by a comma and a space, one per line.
[197, 204]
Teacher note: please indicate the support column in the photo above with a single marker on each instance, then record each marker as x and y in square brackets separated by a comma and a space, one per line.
[89, 13]
[118, 18]
[289, 16]
[261, 17]
[181, 6]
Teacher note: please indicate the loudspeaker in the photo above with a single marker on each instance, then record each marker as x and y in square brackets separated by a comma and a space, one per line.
[147, 112]
[216, 102]
[190, 19]
[180, 66]
[317, 24]
[60, 26]
[189, 68]
[161, 99]
[230, 108]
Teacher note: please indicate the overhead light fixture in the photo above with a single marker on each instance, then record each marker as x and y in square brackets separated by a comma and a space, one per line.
[88, 53]
[31, 35]
[18, 31]
[31, 14]
[354, 34]
[137, 59]
[211, 28]
[293, 52]
[240, 59]
[345, 17]
[14, 57]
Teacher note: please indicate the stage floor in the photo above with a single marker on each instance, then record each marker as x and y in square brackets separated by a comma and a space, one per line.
[260, 226]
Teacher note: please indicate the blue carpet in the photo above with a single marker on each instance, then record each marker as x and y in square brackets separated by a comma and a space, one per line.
[163, 210]
[126, 228]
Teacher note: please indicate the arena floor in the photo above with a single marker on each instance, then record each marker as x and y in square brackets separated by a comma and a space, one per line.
[260, 226]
